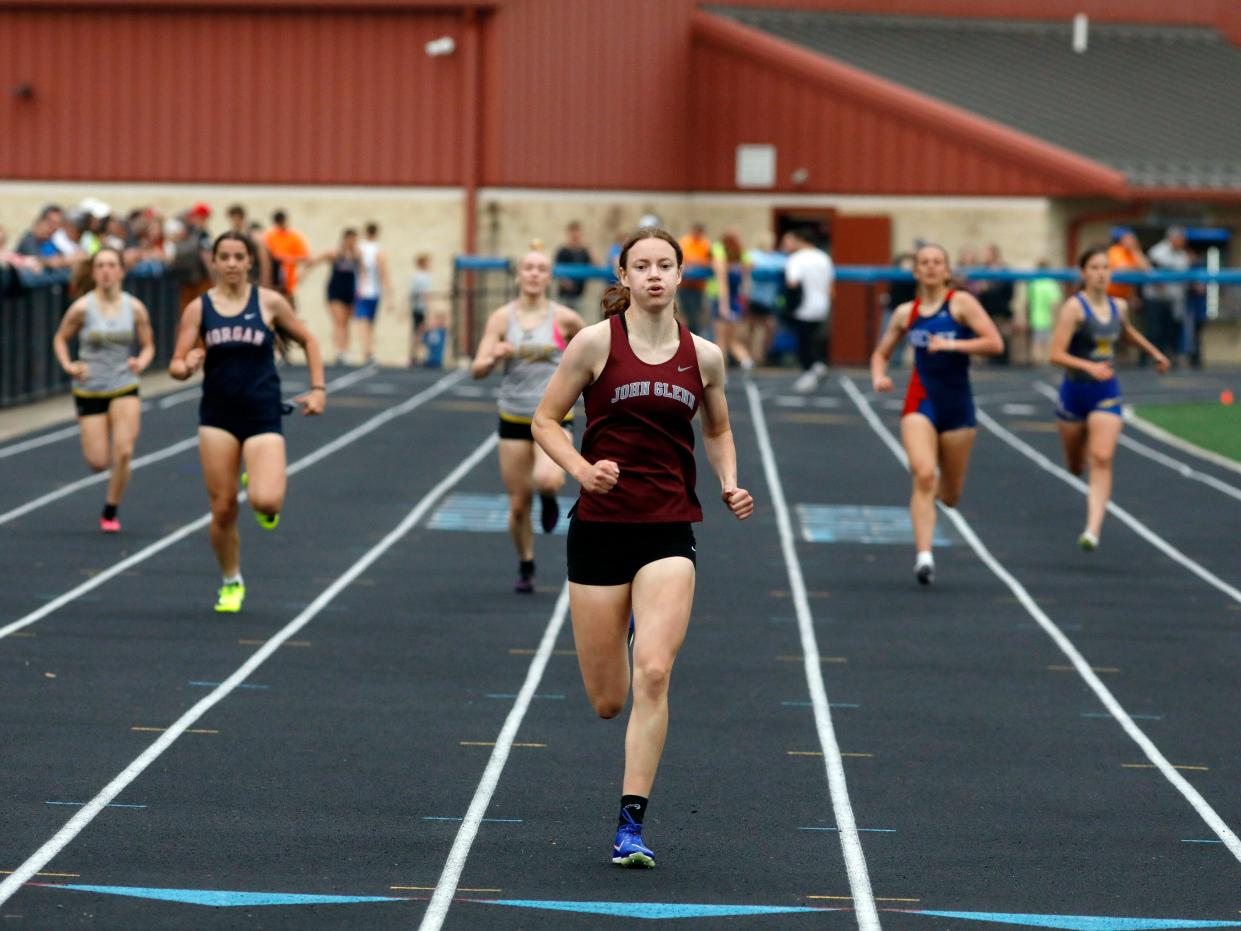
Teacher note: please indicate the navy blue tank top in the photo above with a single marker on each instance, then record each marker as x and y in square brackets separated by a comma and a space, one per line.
[1095, 340]
[950, 369]
[239, 373]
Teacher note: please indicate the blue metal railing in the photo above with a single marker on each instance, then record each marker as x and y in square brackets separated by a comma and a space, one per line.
[877, 274]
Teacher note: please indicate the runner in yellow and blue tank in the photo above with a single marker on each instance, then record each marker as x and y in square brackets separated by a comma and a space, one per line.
[1089, 409]
[945, 328]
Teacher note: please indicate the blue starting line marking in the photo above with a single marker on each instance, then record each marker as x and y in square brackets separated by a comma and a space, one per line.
[83, 804]
[215, 898]
[223, 898]
[513, 695]
[830, 523]
[654, 911]
[1204, 840]
[200, 684]
[1136, 717]
[1078, 922]
[860, 830]
[485, 513]
[491, 820]
[809, 704]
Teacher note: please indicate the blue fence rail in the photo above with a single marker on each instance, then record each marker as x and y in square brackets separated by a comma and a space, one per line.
[31, 307]
[483, 282]
[879, 274]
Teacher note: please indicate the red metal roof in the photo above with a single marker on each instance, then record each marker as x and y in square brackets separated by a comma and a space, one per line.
[856, 133]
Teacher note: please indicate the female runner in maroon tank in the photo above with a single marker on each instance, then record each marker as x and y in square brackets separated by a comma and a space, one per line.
[631, 546]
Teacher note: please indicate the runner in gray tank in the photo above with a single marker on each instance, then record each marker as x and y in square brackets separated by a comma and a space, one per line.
[527, 336]
[107, 321]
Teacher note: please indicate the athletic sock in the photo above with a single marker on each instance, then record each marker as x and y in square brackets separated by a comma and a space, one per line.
[527, 569]
[632, 810]
[109, 511]
[232, 579]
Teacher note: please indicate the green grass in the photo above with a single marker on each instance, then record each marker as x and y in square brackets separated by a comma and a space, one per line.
[1213, 426]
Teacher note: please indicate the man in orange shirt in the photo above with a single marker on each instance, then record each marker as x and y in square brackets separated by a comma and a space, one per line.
[696, 248]
[289, 249]
[1125, 254]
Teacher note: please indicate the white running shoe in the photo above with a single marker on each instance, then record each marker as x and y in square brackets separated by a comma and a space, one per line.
[806, 382]
[1088, 541]
[924, 568]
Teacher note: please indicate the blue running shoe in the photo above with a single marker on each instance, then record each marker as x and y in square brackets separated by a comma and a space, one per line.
[628, 850]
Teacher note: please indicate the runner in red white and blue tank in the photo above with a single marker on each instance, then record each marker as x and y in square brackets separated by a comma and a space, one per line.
[1083, 342]
[945, 328]
[631, 544]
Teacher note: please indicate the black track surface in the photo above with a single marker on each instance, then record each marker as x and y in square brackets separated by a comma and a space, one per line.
[986, 779]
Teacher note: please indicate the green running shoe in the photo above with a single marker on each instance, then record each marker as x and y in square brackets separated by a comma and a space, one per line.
[267, 521]
[230, 598]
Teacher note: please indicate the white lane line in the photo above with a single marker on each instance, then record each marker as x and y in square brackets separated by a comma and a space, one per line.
[1113, 508]
[160, 454]
[446, 887]
[46, 440]
[1180, 468]
[1123, 718]
[78, 822]
[838, 789]
[163, 543]
[96, 479]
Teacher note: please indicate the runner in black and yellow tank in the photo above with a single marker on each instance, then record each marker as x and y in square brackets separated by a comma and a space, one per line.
[107, 321]
[1089, 409]
[232, 330]
[937, 425]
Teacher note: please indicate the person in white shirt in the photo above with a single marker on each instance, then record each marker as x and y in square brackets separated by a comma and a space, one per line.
[809, 279]
[373, 286]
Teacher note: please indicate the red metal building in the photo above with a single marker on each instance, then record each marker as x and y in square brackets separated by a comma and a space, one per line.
[566, 94]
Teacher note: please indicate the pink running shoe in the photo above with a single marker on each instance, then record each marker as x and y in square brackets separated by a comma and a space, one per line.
[109, 525]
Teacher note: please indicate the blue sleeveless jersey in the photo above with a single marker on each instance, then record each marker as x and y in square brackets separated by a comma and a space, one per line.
[239, 374]
[1095, 341]
[940, 386]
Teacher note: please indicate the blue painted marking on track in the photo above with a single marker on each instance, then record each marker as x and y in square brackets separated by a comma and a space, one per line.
[83, 805]
[1081, 922]
[223, 898]
[484, 514]
[860, 830]
[655, 911]
[198, 683]
[1204, 840]
[1136, 717]
[810, 704]
[513, 695]
[830, 523]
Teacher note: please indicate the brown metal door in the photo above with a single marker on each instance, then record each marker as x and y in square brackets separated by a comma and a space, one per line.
[855, 309]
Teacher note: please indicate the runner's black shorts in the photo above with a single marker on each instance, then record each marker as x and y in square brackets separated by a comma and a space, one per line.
[606, 553]
[89, 406]
[520, 429]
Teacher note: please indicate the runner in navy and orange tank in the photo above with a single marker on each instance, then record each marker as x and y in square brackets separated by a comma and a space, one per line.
[232, 329]
[945, 328]
[631, 544]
